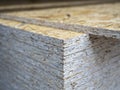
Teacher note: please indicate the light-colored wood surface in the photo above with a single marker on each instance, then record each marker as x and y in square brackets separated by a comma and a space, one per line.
[47, 31]
[104, 16]
[31, 59]
[100, 19]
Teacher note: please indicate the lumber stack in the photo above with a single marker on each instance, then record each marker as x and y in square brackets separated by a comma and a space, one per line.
[40, 54]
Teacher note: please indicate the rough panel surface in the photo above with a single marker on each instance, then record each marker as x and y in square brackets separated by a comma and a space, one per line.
[85, 62]
[34, 57]
[95, 65]
[104, 15]
[42, 30]
[101, 19]
[29, 63]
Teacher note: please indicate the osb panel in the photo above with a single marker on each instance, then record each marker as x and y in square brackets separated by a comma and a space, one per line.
[102, 19]
[47, 31]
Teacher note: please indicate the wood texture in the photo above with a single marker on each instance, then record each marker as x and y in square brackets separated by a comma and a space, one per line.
[46, 31]
[100, 19]
[60, 57]
[31, 61]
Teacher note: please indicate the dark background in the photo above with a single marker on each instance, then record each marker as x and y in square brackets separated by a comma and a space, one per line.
[4, 2]
[7, 3]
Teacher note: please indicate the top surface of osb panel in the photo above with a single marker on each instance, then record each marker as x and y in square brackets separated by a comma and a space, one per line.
[98, 19]
[103, 16]
[47, 31]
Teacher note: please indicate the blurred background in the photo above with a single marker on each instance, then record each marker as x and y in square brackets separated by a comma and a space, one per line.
[6, 2]
[19, 5]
